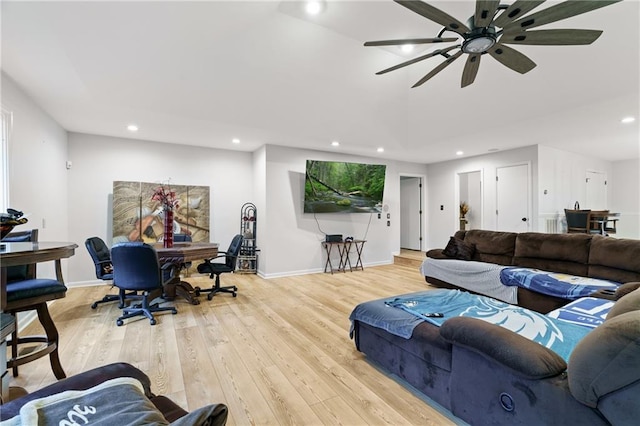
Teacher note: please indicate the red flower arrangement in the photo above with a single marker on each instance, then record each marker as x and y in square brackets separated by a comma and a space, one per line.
[166, 196]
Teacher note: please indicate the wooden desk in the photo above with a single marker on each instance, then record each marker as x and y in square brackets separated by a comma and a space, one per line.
[174, 257]
[26, 253]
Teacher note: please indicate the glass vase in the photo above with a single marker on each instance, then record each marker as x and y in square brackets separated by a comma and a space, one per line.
[168, 228]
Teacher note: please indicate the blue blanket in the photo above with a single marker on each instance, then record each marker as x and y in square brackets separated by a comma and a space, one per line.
[563, 286]
[586, 311]
[559, 336]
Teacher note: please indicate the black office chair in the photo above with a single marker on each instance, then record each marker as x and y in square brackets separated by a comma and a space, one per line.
[215, 269]
[101, 257]
[26, 292]
[136, 268]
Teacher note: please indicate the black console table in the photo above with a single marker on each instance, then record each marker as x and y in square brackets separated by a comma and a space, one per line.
[344, 250]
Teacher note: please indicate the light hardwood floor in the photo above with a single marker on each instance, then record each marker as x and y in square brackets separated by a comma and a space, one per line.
[278, 354]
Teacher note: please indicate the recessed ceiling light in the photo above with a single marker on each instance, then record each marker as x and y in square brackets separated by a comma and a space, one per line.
[313, 7]
[381, 149]
[407, 48]
[459, 152]
[335, 143]
[235, 140]
[628, 120]
[132, 128]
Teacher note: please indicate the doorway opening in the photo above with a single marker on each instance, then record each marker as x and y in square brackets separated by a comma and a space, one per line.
[469, 192]
[411, 208]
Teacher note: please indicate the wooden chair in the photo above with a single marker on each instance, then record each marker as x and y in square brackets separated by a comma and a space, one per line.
[25, 292]
[579, 221]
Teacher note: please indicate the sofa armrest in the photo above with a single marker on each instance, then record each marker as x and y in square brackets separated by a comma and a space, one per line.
[626, 288]
[81, 381]
[437, 254]
[526, 358]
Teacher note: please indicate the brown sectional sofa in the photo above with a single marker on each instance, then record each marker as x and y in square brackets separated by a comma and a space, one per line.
[593, 256]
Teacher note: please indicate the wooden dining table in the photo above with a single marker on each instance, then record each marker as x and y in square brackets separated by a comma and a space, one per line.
[172, 258]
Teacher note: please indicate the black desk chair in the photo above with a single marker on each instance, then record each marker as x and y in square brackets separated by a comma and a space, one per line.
[25, 293]
[215, 269]
[136, 268]
[101, 257]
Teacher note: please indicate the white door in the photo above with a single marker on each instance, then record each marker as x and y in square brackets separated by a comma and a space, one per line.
[410, 213]
[513, 198]
[596, 191]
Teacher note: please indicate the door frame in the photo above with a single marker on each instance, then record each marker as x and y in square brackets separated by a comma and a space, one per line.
[456, 218]
[423, 197]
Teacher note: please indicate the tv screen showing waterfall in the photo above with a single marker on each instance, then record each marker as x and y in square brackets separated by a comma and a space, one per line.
[340, 187]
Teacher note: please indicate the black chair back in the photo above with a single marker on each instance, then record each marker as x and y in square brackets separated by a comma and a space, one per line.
[577, 220]
[101, 257]
[233, 251]
[21, 272]
[135, 266]
[181, 238]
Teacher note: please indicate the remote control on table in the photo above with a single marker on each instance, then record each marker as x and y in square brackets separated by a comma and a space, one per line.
[433, 314]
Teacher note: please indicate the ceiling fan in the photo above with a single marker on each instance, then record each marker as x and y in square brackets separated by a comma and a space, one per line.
[491, 28]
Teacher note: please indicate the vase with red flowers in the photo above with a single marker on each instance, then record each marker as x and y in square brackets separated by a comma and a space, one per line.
[169, 202]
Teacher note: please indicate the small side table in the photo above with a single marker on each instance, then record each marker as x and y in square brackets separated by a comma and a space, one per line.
[343, 248]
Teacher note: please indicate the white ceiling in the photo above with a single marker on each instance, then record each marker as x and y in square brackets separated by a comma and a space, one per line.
[202, 73]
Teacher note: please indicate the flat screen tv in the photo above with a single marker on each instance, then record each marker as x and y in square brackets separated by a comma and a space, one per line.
[340, 187]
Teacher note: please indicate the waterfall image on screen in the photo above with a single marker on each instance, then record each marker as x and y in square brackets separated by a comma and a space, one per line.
[339, 187]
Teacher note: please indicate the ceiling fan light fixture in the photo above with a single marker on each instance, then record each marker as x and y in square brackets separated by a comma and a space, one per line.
[478, 44]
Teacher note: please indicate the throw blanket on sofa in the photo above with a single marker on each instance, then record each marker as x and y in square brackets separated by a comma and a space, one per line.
[586, 311]
[479, 277]
[563, 286]
[559, 336]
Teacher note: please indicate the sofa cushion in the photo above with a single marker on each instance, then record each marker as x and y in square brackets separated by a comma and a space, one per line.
[565, 253]
[492, 246]
[459, 249]
[606, 360]
[614, 259]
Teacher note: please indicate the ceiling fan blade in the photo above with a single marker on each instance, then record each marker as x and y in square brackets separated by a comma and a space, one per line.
[552, 37]
[437, 69]
[410, 41]
[435, 15]
[470, 70]
[511, 58]
[418, 59]
[558, 12]
[485, 11]
[515, 11]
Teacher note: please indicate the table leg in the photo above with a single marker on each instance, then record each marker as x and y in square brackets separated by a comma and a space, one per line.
[359, 247]
[173, 287]
[327, 249]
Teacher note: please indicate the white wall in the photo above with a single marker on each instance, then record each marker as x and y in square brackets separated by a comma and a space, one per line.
[562, 175]
[37, 169]
[100, 160]
[293, 238]
[442, 187]
[625, 197]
